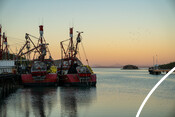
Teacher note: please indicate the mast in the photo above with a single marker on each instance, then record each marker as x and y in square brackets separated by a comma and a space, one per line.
[5, 50]
[42, 49]
[41, 33]
[71, 42]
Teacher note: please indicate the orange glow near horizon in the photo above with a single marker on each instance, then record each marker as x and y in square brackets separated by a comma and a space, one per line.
[120, 52]
[115, 32]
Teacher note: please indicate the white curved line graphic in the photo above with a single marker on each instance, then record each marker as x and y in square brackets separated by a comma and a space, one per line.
[152, 90]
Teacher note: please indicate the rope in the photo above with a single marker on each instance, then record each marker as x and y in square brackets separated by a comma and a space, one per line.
[11, 50]
[47, 47]
[10, 37]
[84, 53]
[33, 36]
[79, 54]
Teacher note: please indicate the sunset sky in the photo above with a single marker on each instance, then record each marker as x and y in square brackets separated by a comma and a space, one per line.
[116, 32]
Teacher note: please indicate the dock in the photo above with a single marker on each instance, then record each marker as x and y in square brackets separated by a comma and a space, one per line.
[8, 84]
[158, 71]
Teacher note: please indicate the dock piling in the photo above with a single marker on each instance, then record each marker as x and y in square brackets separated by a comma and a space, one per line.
[8, 84]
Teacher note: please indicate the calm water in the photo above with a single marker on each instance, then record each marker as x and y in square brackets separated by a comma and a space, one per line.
[118, 93]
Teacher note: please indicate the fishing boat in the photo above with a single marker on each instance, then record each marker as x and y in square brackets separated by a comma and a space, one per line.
[71, 70]
[41, 70]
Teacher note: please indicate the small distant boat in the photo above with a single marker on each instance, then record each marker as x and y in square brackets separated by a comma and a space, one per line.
[42, 70]
[71, 70]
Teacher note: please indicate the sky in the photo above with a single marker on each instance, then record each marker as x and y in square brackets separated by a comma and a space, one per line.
[116, 32]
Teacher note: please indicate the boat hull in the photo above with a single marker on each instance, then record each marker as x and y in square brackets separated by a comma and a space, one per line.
[47, 80]
[76, 80]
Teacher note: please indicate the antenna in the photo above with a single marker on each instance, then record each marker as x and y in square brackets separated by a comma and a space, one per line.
[156, 59]
[153, 60]
[72, 22]
[42, 21]
[38, 21]
[16, 50]
[69, 24]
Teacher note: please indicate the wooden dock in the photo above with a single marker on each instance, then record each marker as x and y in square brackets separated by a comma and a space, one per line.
[8, 84]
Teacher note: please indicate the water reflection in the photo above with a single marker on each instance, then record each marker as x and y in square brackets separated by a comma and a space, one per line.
[73, 97]
[115, 96]
[36, 102]
[44, 102]
[3, 109]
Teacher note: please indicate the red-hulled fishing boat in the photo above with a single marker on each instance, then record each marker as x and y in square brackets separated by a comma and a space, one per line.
[40, 71]
[71, 70]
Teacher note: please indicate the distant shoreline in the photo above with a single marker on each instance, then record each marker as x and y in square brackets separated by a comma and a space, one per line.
[116, 67]
[106, 67]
